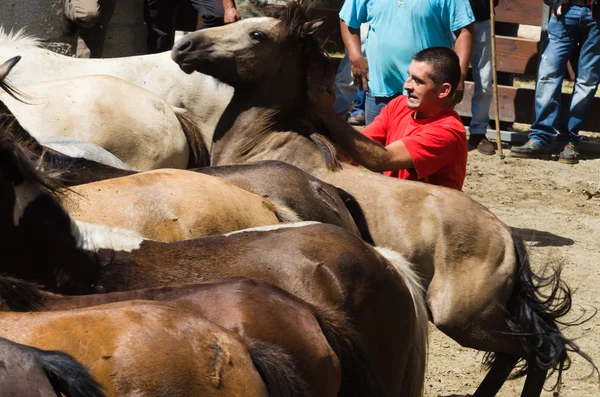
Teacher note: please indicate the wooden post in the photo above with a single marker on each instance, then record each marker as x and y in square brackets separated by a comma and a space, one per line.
[495, 79]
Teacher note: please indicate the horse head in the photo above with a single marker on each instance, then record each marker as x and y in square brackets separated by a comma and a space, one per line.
[276, 51]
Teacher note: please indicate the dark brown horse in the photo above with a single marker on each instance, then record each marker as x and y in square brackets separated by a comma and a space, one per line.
[322, 264]
[29, 372]
[156, 349]
[481, 290]
[327, 350]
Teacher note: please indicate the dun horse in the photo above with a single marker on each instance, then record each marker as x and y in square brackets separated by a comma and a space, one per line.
[27, 371]
[481, 291]
[322, 264]
[324, 345]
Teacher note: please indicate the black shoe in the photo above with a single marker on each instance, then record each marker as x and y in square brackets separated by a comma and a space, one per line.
[532, 150]
[486, 147]
[569, 155]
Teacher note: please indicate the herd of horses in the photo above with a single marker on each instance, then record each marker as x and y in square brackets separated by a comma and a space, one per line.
[194, 231]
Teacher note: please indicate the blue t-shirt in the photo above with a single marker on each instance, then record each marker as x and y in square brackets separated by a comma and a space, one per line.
[401, 28]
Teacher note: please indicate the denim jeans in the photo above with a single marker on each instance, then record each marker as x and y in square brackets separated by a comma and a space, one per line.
[373, 106]
[482, 77]
[345, 90]
[575, 26]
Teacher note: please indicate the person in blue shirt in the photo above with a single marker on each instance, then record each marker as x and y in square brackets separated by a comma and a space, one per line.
[397, 30]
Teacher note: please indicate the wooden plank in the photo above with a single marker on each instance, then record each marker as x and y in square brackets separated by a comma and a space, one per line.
[525, 12]
[516, 55]
[516, 105]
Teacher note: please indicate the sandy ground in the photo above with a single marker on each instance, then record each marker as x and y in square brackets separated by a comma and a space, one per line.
[545, 204]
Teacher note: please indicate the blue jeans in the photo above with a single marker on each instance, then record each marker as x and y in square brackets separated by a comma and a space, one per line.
[482, 77]
[575, 26]
[373, 106]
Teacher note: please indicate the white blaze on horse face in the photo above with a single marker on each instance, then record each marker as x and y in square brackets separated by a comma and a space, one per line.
[91, 237]
[25, 194]
[276, 226]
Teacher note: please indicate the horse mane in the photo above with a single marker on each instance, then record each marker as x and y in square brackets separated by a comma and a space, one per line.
[18, 38]
[20, 295]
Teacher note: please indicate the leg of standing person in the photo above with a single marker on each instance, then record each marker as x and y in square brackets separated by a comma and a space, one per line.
[160, 19]
[562, 40]
[373, 106]
[84, 13]
[483, 92]
[211, 11]
[345, 91]
[586, 84]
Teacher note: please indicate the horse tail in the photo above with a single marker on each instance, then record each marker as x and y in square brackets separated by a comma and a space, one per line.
[67, 375]
[357, 215]
[282, 212]
[537, 303]
[417, 360]
[278, 370]
[357, 377]
[199, 155]
[20, 295]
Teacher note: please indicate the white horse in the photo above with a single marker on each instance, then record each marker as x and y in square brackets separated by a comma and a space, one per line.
[201, 95]
[74, 147]
[138, 127]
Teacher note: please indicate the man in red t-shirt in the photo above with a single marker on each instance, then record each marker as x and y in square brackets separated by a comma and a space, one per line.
[417, 136]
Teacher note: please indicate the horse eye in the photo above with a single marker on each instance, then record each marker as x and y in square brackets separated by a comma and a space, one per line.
[258, 35]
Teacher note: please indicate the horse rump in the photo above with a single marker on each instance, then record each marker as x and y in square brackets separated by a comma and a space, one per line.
[534, 309]
[278, 370]
[67, 375]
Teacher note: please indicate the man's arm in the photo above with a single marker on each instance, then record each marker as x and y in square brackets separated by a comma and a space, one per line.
[359, 65]
[463, 48]
[231, 14]
[363, 150]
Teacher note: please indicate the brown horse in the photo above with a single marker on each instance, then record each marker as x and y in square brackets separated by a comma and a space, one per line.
[308, 197]
[318, 340]
[155, 349]
[481, 290]
[26, 371]
[322, 264]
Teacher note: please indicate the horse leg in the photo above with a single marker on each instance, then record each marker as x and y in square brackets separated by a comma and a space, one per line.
[497, 375]
[534, 383]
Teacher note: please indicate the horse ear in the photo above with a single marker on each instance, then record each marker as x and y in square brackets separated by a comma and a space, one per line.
[310, 28]
[7, 66]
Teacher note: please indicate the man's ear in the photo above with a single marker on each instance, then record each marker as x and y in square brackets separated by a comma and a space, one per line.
[444, 91]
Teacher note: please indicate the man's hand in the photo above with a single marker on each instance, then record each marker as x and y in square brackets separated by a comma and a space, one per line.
[360, 71]
[459, 93]
[231, 15]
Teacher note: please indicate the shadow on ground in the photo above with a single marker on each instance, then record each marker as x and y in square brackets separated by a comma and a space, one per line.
[538, 238]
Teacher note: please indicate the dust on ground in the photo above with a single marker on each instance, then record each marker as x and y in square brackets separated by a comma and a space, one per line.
[545, 203]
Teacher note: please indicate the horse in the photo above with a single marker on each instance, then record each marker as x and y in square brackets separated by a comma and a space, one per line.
[77, 148]
[199, 96]
[321, 264]
[132, 123]
[481, 290]
[324, 345]
[279, 182]
[27, 371]
[155, 348]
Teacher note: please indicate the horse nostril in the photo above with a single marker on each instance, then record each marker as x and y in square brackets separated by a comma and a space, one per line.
[183, 46]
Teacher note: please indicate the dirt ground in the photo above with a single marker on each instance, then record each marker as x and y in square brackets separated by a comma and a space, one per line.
[545, 203]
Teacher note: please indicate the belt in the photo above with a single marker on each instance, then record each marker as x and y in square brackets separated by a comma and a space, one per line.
[583, 3]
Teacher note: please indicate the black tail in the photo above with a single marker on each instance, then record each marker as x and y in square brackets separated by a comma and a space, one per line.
[198, 151]
[68, 376]
[278, 370]
[357, 377]
[19, 295]
[537, 304]
[357, 214]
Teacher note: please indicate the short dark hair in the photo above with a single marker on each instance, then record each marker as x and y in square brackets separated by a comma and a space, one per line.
[444, 63]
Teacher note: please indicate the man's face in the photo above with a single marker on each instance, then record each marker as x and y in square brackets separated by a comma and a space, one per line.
[423, 93]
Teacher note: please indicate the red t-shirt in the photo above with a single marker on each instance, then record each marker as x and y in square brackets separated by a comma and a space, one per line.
[437, 145]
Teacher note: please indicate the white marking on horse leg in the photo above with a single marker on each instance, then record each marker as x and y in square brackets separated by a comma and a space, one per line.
[276, 226]
[25, 193]
[92, 237]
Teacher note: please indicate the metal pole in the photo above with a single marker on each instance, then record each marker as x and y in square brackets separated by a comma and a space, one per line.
[495, 79]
